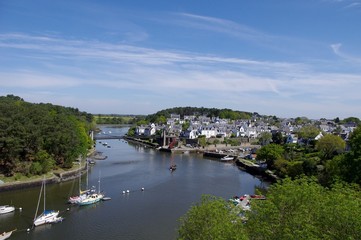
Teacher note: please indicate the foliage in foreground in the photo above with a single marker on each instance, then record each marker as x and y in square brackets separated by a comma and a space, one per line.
[211, 219]
[294, 209]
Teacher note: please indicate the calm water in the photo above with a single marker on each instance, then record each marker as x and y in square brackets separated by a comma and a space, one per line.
[149, 214]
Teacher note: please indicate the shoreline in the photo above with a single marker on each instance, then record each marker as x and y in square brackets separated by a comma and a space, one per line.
[56, 177]
[211, 151]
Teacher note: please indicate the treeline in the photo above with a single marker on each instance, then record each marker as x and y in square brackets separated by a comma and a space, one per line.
[117, 119]
[36, 138]
[209, 112]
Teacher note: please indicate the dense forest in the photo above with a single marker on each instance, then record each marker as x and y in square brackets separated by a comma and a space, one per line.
[116, 119]
[36, 138]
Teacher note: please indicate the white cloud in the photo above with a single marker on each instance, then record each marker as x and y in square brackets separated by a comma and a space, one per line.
[36, 80]
[61, 66]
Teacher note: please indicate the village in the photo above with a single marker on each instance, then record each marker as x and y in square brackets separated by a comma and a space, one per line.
[187, 131]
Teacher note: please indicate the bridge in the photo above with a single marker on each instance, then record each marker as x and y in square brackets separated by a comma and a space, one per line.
[106, 136]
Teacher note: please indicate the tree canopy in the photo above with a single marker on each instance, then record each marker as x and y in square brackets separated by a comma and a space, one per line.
[308, 132]
[36, 137]
[294, 209]
[211, 219]
[302, 209]
[347, 167]
[270, 153]
[330, 145]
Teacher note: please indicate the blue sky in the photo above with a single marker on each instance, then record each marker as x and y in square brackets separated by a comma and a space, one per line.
[281, 57]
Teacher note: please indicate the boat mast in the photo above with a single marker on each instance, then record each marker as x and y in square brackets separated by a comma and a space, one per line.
[37, 207]
[44, 194]
[79, 177]
[87, 177]
[99, 184]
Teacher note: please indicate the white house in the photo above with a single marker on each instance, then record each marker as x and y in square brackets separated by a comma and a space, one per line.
[150, 130]
[319, 136]
[209, 131]
[139, 130]
[190, 133]
[251, 132]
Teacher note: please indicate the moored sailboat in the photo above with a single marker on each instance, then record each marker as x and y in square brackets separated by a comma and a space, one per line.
[82, 193]
[47, 216]
[91, 198]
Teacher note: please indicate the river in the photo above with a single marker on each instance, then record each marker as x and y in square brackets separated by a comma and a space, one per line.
[150, 214]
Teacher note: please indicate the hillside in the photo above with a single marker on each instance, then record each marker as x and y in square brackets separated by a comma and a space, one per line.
[36, 138]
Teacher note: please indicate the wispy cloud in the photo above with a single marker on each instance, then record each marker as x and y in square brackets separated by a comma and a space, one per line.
[347, 4]
[60, 64]
[221, 25]
[336, 48]
[353, 5]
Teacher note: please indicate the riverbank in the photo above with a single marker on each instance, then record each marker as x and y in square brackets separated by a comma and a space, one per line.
[256, 170]
[56, 176]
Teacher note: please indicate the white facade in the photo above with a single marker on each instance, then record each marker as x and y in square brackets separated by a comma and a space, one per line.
[209, 132]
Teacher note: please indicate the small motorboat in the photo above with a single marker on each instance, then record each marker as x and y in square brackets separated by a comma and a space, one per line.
[6, 209]
[258, 197]
[173, 167]
[227, 158]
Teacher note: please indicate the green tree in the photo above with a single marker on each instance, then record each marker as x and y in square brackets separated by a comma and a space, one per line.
[212, 218]
[330, 145]
[265, 138]
[185, 125]
[46, 162]
[303, 209]
[350, 164]
[351, 120]
[131, 131]
[277, 138]
[161, 120]
[202, 141]
[308, 132]
[270, 153]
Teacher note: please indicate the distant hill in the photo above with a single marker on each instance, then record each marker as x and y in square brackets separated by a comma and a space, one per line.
[209, 112]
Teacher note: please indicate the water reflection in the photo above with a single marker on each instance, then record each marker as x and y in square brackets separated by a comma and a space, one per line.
[149, 214]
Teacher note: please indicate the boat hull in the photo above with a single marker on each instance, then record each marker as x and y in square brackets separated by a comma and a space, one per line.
[91, 199]
[6, 235]
[6, 209]
[46, 217]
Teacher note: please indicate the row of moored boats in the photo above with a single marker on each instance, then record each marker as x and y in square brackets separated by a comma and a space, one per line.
[86, 197]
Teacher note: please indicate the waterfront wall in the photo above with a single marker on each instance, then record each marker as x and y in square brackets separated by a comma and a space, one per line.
[56, 178]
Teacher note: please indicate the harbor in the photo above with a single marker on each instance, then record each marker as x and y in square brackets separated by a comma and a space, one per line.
[154, 198]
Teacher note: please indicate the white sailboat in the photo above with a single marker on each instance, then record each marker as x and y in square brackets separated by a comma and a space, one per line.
[47, 216]
[82, 193]
[92, 197]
